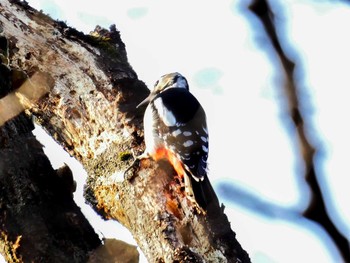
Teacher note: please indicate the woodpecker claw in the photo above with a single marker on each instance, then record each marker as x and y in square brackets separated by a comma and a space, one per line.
[129, 177]
[135, 162]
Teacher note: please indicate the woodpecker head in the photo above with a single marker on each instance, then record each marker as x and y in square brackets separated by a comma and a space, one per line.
[168, 81]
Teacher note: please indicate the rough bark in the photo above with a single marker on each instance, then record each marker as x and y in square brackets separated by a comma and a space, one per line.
[39, 221]
[90, 110]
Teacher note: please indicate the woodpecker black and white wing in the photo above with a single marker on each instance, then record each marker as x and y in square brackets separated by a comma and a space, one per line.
[183, 129]
[175, 126]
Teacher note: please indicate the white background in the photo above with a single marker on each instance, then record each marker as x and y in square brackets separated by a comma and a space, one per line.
[254, 163]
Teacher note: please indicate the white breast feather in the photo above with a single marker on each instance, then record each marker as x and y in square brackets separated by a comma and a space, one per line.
[166, 115]
[151, 141]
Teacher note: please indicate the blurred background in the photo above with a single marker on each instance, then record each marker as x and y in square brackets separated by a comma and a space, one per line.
[257, 157]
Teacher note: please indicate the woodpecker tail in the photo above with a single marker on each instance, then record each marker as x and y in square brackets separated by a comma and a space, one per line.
[204, 194]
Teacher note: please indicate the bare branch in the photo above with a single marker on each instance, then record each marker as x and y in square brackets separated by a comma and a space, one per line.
[316, 210]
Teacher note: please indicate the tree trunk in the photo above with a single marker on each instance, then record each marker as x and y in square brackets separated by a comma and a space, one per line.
[89, 107]
[39, 220]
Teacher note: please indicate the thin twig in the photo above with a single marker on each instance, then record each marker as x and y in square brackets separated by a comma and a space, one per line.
[316, 210]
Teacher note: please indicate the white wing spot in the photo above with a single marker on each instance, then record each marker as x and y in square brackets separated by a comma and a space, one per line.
[205, 130]
[204, 139]
[188, 143]
[166, 115]
[204, 148]
[176, 132]
[187, 133]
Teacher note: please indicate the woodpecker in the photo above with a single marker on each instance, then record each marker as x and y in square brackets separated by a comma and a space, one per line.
[175, 129]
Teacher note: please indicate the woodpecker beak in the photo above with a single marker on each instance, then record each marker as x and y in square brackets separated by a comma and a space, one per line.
[146, 100]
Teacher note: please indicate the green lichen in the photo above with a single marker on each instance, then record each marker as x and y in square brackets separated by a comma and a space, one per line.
[124, 156]
[105, 44]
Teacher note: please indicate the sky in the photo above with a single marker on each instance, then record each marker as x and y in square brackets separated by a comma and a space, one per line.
[253, 159]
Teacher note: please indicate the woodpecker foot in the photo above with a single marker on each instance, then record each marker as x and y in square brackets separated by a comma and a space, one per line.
[131, 176]
[134, 163]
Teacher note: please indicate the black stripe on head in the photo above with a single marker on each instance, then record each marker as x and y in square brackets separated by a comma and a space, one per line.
[183, 79]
